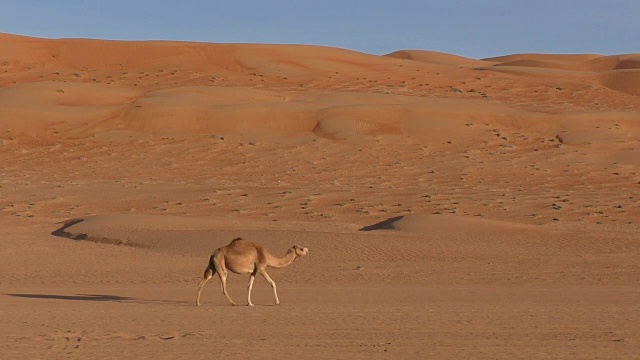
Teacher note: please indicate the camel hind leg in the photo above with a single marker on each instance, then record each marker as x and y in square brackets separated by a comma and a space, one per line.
[223, 285]
[208, 273]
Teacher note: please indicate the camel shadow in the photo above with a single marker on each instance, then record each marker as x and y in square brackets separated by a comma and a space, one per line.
[77, 297]
[100, 298]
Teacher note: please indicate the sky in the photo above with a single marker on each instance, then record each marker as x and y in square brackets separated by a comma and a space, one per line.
[475, 29]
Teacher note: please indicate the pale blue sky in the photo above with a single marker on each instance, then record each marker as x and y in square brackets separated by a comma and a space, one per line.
[470, 28]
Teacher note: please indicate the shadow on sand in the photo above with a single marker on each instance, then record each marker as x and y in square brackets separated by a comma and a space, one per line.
[77, 297]
[62, 232]
[383, 225]
[99, 298]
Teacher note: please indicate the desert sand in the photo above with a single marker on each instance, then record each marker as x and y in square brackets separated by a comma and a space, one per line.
[454, 207]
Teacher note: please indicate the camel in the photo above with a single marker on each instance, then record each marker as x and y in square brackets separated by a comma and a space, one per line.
[244, 257]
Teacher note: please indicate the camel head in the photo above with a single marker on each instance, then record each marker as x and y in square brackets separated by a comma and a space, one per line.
[300, 251]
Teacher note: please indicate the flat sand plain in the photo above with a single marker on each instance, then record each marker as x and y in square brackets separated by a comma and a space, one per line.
[454, 207]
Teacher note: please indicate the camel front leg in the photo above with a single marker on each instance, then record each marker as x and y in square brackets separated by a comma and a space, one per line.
[273, 285]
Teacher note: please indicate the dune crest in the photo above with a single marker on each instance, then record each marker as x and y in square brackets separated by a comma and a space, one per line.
[435, 57]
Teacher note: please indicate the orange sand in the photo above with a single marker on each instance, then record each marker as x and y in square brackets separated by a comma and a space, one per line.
[454, 208]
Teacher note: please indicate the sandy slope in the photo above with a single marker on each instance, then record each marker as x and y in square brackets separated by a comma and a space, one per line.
[455, 208]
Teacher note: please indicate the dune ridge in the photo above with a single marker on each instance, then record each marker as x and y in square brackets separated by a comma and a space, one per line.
[435, 57]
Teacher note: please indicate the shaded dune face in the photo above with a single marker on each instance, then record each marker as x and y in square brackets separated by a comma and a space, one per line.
[625, 81]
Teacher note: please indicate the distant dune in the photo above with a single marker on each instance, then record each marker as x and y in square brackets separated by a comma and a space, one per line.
[544, 57]
[70, 86]
[617, 72]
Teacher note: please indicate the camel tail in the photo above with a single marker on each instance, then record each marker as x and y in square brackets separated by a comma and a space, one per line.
[211, 268]
[208, 272]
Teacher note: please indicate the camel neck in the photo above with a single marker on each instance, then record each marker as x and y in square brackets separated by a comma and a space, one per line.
[286, 260]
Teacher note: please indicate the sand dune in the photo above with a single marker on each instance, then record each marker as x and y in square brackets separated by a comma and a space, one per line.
[284, 60]
[140, 230]
[156, 105]
[454, 208]
[584, 62]
[617, 72]
[439, 237]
